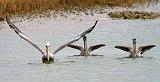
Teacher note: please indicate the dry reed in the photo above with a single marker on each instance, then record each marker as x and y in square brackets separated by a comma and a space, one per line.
[14, 7]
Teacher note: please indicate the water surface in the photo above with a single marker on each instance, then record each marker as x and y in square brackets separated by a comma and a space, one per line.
[19, 61]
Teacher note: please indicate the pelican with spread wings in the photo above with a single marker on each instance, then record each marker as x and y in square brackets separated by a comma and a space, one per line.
[134, 52]
[47, 56]
[85, 51]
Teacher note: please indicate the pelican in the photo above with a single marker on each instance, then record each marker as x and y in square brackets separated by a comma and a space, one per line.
[134, 52]
[85, 51]
[47, 56]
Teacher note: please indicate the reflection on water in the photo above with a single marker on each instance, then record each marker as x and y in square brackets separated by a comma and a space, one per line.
[122, 58]
[20, 61]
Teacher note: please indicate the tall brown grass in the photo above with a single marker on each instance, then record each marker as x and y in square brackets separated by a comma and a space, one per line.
[26, 6]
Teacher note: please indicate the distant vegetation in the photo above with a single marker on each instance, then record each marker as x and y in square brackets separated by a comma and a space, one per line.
[15, 7]
[133, 15]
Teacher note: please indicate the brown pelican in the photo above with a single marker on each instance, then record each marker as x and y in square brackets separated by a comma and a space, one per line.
[134, 52]
[85, 51]
[48, 57]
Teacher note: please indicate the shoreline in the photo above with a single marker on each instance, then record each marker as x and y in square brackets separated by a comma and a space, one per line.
[27, 7]
[76, 14]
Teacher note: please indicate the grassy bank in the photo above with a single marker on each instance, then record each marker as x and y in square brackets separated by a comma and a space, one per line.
[14, 7]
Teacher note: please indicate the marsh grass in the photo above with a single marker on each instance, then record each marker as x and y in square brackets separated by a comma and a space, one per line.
[16, 7]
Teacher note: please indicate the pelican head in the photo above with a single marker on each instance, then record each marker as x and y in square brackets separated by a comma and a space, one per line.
[134, 40]
[84, 38]
[47, 50]
[47, 44]
[134, 45]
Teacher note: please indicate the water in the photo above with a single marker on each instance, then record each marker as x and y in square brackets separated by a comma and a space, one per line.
[19, 61]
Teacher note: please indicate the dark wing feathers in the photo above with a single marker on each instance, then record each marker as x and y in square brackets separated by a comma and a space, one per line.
[63, 46]
[142, 49]
[22, 35]
[88, 30]
[77, 38]
[76, 47]
[125, 48]
[12, 26]
[91, 48]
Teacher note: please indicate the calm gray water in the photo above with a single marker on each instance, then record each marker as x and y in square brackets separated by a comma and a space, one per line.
[20, 62]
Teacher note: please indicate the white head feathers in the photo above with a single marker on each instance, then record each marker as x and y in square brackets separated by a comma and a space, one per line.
[47, 44]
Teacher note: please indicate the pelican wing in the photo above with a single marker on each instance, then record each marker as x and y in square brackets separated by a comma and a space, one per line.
[22, 35]
[91, 48]
[64, 45]
[88, 30]
[76, 39]
[142, 49]
[76, 47]
[124, 48]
